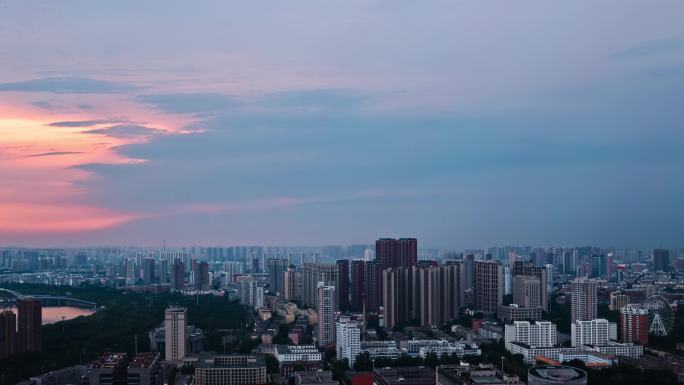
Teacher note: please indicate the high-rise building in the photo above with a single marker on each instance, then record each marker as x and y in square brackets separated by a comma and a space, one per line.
[175, 322]
[528, 268]
[569, 262]
[397, 291]
[488, 286]
[661, 260]
[372, 285]
[251, 293]
[634, 324]
[348, 344]
[358, 268]
[276, 275]
[469, 264]
[201, 272]
[29, 320]
[148, 270]
[312, 274]
[8, 333]
[429, 294]
[178, 276]
[401, 252]
[584, 300]
[440, 293]
[326, 314]
[292, 284]
[163, 271]
[508, 280]
[233, 268]
[526, 291]
[131, 272]
[342, 284]
[593, 332]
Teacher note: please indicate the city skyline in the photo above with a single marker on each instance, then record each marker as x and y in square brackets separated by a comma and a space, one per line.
[456, 123]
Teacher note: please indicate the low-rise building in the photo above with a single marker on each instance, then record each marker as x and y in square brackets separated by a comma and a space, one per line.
[108, 369]
[421, 348]
[71, 375]
[490, 331]
[314, 378]
[300, 357]
[465, 374]
[513, 312]
[410, 375]
[554, 375]
[381, 349]
[613, 349]
[230, 370]
[145, 369]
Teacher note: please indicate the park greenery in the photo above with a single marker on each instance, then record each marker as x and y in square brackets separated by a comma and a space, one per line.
[121, 317]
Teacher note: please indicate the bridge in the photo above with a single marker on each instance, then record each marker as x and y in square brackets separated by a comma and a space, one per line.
[50, 300]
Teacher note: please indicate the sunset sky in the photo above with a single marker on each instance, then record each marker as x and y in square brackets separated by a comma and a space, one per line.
[464, 124]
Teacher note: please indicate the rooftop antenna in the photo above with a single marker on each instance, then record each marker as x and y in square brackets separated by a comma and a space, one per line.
[164, 244]
[136, 344]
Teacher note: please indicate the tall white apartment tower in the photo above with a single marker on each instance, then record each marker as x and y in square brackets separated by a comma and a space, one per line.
[348, 339]
[595, 332]
[541, 334]
[326, 314]
[584, 299]
[175, 321]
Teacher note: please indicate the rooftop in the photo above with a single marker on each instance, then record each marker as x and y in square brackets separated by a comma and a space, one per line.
[109, 360]
[551, 372]
[144, 360]
[411, 374]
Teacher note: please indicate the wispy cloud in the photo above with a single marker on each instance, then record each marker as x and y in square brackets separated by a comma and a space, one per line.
[309, 99]
[125, 131]
[53, 153]
[44, 105]
[652, 47]
[85, 123]
[67, 85]
[190, 103]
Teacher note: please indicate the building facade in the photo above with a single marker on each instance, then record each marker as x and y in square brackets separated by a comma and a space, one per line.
[348, 343]
[342, 284]
[29, 325]
[593, 332]
[584, 300]
[326, 314]
[538, 335]
[230, 370]
[175, 322]
[634, 324]
[488, 286]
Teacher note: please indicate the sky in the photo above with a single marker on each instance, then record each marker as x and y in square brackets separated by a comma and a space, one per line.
[461, 123]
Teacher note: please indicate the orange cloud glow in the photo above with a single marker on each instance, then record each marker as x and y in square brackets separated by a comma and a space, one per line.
[39, 218]
[39, 192]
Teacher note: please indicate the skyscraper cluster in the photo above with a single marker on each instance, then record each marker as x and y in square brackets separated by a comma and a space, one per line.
[367, 276]
[429, 295]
